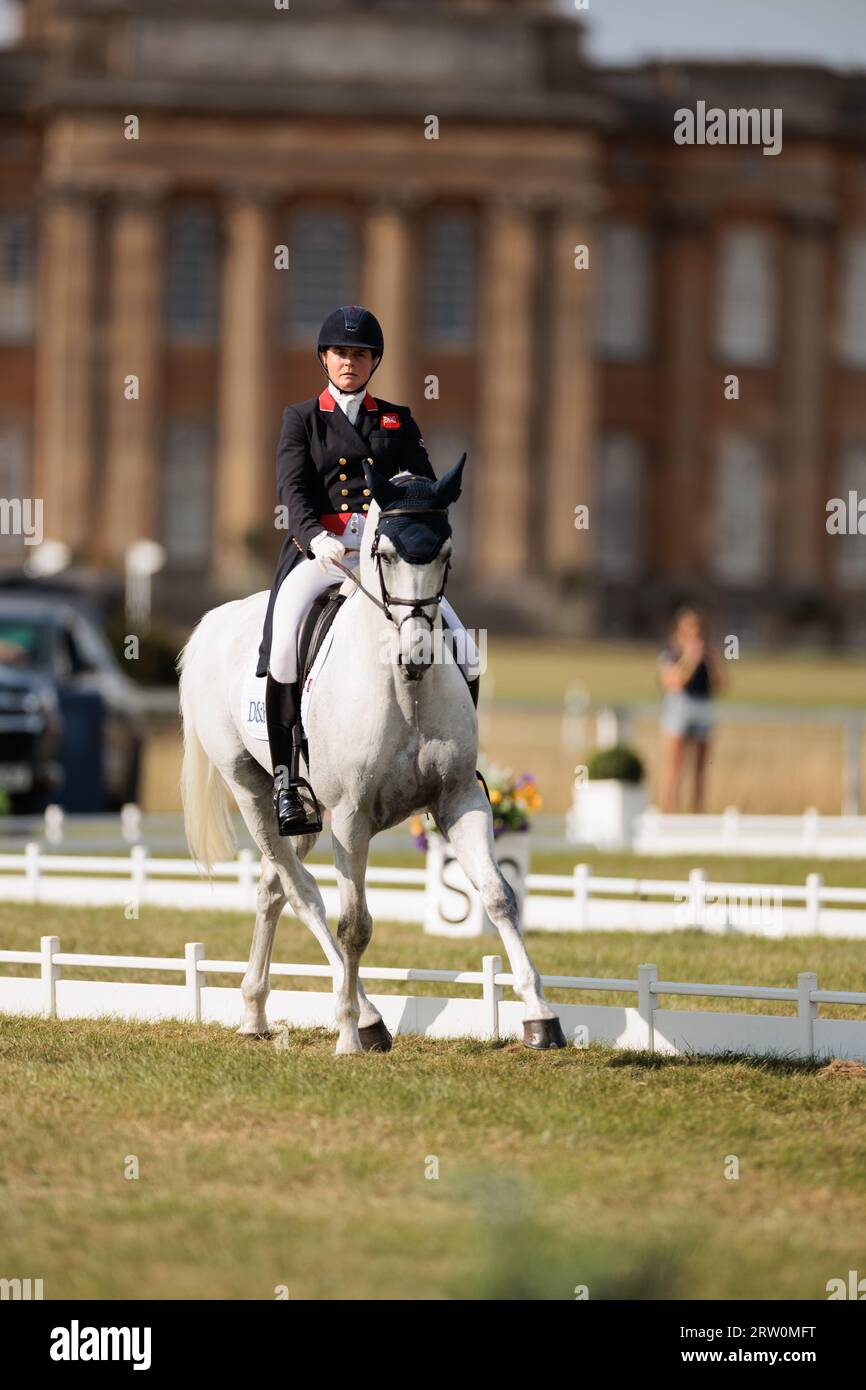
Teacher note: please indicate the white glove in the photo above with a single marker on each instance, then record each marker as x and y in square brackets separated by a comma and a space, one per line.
[326, 547]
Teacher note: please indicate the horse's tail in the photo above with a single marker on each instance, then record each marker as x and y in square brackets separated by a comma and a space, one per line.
[205, 796]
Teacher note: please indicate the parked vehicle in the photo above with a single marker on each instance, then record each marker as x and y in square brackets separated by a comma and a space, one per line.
[53, 646]
[31, 733]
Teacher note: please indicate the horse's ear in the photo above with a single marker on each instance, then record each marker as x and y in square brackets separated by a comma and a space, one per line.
[448, 486]
[383, 489]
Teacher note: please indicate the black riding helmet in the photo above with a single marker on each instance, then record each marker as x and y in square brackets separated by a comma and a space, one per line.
[351, 326]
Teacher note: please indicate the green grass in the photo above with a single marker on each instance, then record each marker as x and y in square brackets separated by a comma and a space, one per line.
[541, 670]
[262, 1167]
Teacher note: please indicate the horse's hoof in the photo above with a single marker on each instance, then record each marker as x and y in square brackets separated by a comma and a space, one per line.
[252, 1036]
[376, 1038]
[543, 1033]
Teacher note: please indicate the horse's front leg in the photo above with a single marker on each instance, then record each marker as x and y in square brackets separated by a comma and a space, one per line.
[467, 822]
[359, 1022]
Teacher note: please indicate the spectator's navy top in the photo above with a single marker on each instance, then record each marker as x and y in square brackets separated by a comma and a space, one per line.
[698, 683]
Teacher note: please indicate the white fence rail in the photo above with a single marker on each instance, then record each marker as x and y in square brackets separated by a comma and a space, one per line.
[555, 902]
[810, 834]
[643, 1024]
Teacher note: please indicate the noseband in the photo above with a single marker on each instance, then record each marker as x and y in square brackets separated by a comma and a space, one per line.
[389, 601]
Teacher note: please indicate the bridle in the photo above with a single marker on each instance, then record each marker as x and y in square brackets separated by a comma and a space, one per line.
[389, 601]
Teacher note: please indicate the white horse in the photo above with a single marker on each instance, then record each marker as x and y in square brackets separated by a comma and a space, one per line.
[386, 738]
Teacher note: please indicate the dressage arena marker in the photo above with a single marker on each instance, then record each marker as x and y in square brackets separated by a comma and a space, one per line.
[580, 901]
[645, 1026]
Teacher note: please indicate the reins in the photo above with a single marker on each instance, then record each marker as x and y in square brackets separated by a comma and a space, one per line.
[417, 605]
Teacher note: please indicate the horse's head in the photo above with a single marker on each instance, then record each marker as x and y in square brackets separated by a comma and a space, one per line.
[408, 540]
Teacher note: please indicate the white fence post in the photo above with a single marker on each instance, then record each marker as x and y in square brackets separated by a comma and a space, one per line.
[646, 1001]
[138, 871]
[581, 876]
[811, 828]
[130, 822]
[48, 947]
[491, 992]
[730, 824]
[807, 1011]
[814, 884]
[31, 870]
[247, 877]
[698, 897]
[54, 824]
[193, 952]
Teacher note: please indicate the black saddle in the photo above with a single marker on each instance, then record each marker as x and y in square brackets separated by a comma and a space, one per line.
[315, 627]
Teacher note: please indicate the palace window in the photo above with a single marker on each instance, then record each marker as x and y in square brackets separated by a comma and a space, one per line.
[193, 275]
[17, 277]
[444, 447]
[323, 269]
[741, 511]
[623, 324]
[747, 297]
[849, 551]
[620, 482]
[852, 309]
[449, 281]
[14, 449]
[187, 494]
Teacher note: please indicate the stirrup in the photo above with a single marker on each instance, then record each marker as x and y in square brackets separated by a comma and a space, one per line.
[311, 823]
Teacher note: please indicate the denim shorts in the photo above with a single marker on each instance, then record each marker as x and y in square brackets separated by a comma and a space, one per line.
[690, 716]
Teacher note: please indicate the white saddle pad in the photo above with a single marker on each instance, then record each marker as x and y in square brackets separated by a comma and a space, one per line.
[253, 720]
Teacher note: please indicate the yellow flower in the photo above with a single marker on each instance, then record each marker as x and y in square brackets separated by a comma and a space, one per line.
[495, 796]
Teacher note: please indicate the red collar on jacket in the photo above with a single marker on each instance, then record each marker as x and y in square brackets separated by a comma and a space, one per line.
[327, 402]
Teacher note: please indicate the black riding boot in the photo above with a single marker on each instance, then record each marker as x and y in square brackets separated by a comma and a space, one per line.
[281, 713]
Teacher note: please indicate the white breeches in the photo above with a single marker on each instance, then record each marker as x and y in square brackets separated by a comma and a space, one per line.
[308, 579]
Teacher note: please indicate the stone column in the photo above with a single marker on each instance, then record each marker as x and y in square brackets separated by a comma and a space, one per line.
[504, 467]
[803, 479]
[64, 433]
[387, 291]
[573, 391]
[685, 445]
[132, 467]
[244, 466]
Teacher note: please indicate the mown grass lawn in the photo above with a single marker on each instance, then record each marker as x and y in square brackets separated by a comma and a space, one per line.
[262, 1167]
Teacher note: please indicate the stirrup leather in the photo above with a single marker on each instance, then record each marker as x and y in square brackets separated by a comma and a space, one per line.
[299, 784]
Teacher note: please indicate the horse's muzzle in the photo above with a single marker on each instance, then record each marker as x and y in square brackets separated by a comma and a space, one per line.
[413, 670]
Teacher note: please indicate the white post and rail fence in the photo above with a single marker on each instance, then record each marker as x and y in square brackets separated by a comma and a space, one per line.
[639, 1023]
[579, 901]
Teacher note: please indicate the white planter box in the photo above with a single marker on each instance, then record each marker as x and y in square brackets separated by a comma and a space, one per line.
[452, 906]
[603, 814]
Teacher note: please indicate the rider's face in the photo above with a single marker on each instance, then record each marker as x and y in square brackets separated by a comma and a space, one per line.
[349, 367]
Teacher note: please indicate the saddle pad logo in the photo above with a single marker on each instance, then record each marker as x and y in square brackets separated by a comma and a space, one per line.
[391, 422]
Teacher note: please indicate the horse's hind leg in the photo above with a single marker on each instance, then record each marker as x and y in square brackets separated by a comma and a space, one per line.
[255, 986]
[469, 826]
[297, 886]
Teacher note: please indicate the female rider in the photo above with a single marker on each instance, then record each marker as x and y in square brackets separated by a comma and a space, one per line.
[321, 486]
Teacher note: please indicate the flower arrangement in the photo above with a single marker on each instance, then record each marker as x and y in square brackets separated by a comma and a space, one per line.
[512, 801]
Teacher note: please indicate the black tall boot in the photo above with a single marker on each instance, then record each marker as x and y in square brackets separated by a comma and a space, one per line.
[282, 709]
